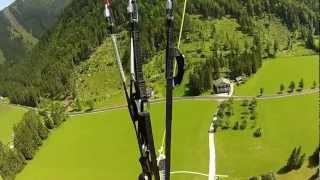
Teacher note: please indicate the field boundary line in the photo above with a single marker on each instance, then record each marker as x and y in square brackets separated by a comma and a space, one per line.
[182, 98]
[185, 98]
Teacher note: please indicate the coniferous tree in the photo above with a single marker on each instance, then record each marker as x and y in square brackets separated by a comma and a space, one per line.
[282, 88]
[310, 41]
[10, 162]
[301, 84]
[275, 47]
[292, 86]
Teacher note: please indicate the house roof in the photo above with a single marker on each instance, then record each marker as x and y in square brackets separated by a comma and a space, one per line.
[222, 81]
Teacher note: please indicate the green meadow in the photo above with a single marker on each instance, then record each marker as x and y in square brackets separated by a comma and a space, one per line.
[281, 71]
[9, 116]
[287, 123]
[103, 145]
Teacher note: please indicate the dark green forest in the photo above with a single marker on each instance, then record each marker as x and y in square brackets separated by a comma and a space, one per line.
[23, 23]
[48, 70]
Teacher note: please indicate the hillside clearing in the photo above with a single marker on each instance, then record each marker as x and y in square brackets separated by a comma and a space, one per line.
[281, 71]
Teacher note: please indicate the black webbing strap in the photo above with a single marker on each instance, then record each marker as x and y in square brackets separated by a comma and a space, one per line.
[180, 59]
[170, 53]
[138, 96]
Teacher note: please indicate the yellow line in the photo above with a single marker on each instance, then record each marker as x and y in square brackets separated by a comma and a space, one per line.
[181, 29]
[182, 22]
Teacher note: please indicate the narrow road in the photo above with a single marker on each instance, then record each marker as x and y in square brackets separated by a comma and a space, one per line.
[212, 152]
[216, 98]
[213, 97]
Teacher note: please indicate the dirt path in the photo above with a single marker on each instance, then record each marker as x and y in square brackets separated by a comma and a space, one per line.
[212, 152]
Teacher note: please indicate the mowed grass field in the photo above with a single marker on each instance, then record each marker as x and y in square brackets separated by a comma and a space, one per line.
[103, 145]
[287, 123]
[9, 116]
[281, 71]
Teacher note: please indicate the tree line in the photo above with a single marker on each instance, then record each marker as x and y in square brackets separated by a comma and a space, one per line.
[238, 62]
[295, 14]
[28, 135]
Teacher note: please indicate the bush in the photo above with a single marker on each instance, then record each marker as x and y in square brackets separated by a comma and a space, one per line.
[245, 102]
[236, 125]
[77, 105]
[314, 85]
[282, 88]
[226, 124]
[253, 115]
[244, 124]
[258, 132]
[90, 104]
[229, 110]
[48, 122]
[57, 113]
[253, 102]
[10, 162]
[254, 178]
[291, 87]
[269, 176]
[301, 84]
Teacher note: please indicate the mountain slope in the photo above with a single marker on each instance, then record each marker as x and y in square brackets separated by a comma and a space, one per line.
[23, 23]
[81, 29]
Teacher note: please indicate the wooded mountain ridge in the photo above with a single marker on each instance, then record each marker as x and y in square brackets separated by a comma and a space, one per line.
[48, 70]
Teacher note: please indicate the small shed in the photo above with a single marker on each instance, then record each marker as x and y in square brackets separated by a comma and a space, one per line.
[150, 92]
[222, 85]
[241, 79]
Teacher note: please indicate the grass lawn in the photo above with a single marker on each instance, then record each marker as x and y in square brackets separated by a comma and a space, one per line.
[103, 145]
[9, 115]
[286, 123]
[281, 71]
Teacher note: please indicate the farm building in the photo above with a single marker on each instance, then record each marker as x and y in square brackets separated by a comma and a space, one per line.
[241, 79]
[222, 85]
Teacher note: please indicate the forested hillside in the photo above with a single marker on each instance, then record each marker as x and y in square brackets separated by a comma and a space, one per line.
[23, 23]
[49, 71]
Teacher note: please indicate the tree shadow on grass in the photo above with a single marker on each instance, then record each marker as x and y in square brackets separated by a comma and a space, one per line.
[284, 170]
[314, 159]
[315, 176]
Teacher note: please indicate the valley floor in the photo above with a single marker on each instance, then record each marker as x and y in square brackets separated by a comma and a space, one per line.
[83, 144]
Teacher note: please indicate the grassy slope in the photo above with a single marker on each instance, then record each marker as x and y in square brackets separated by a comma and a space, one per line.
[103, 146]
[286, 123]
[224, 27]
[23, 22]
[9, 116]
[98, 87]
[19, 31]
[285, 69]
[99, 78]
